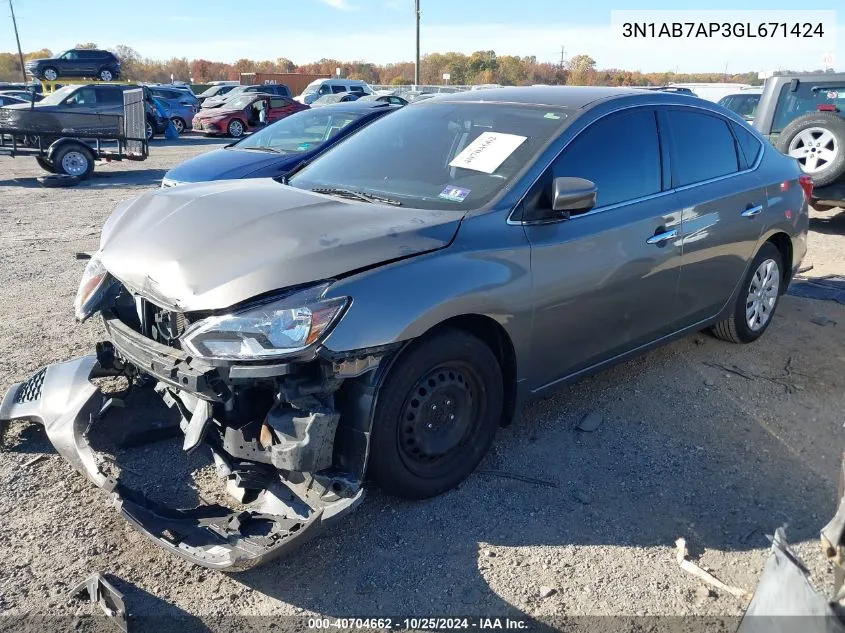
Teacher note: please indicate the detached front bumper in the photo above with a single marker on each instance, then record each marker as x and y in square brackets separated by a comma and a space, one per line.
[63, 399]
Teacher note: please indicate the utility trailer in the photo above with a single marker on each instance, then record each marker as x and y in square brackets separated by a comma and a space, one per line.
[68, 142]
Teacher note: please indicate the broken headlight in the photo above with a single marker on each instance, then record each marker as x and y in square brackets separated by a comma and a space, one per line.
[96, 282]
[268, 330]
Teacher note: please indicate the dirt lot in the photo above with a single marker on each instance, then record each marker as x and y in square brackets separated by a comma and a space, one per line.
[714, 442]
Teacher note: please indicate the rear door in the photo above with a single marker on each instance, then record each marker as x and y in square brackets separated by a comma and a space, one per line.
[604, 281]
[723, 202]
[89, 63]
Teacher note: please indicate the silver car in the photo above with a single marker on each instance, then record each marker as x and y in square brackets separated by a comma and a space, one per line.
[379, 312]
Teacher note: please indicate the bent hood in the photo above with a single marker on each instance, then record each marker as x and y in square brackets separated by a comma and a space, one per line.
[212, 245]
[227, 164]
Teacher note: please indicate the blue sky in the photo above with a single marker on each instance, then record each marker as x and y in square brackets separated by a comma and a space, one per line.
[382, 31]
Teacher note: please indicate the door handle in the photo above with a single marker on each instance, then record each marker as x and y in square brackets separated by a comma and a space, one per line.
[659, 238]
[750, 211]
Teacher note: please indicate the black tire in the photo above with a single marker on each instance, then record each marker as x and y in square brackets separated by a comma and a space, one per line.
[416, 451]
[149, 130]
[74, 160]
[47, 71]
[793, 136]
[735, 328]
[105, 74]
[46, 164]
[179, 124]
[236, 131]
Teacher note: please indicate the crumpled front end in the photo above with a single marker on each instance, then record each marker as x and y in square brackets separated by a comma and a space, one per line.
[274, 432]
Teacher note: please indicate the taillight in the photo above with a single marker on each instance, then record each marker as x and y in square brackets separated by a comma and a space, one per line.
[827, 107]
[806, 182]
[784, 186]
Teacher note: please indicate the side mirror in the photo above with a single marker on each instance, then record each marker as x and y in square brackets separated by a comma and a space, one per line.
[573, 195]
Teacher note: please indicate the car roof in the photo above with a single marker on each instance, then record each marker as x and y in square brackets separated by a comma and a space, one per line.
[355, 106]
[562, 96]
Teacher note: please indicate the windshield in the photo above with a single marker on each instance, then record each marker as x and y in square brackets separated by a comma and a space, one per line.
[55, 98]
[313, 87]
[239, 103]
[745, 105]
[300, 132]
[437, 155]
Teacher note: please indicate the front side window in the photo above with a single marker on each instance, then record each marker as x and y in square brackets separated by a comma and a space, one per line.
[109, 97]
[619, 153]
[84, 96]
[441, 155]
[703, 147]
[69, 55]
[806, 98]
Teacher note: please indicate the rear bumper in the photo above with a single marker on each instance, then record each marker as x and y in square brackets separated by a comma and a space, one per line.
[62, 398]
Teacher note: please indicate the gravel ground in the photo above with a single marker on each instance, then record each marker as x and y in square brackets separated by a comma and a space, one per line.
[712, 442]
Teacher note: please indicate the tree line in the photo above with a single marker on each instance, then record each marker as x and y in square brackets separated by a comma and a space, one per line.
[481, 67]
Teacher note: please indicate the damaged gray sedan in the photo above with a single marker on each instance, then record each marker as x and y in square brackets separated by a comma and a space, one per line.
[381, 311]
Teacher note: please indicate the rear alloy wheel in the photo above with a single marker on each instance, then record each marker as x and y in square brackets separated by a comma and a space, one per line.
[179, 124]
[757, 301]
[51, 74]
[148, 131]
[437, 414]
[106, 75]
[817, 141]
[236, 128]
[74, 161]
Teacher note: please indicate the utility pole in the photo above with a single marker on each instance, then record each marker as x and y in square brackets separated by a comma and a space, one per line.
[417, 59]
[18, 39]
[562, 56]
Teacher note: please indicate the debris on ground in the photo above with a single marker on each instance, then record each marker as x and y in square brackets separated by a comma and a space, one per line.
[732, 369]
[506, 475]
[546, 592]
[688, 566]
[590, 422]
[102, 592]
[34, 460]
[822, 321]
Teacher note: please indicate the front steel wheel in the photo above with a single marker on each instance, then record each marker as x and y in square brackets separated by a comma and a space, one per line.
[437, 414]
[757, 299]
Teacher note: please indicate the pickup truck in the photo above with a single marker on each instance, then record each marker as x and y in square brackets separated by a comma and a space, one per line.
[803, 115]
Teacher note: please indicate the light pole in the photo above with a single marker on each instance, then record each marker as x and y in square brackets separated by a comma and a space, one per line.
[18, 39]
[417, 59]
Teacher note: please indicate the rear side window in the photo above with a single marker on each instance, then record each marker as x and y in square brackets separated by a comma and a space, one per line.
[703, 147]
[619, 153]
[805, 99]
[359, 89]
[107, 96]
[749, 146]
[338, 89]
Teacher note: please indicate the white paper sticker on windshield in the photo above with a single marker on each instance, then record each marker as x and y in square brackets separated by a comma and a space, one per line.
[488, 151]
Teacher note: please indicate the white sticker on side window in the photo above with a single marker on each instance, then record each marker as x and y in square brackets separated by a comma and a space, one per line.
[488, 151]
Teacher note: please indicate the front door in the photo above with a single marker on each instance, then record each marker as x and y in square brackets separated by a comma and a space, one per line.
[604, 281]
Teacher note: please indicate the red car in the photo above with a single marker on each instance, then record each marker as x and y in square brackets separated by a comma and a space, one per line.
[245, 113]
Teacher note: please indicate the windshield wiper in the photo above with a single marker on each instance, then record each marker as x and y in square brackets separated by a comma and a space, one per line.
[356, 195]
[262, 148]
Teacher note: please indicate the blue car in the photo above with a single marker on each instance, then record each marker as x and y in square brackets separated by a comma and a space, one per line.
[279, 147]
[181, 103]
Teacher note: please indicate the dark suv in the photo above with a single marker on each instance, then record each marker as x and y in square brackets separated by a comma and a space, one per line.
[803, 115]
[77, 62]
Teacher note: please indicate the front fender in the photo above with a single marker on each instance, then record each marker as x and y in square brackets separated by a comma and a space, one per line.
[485, 271]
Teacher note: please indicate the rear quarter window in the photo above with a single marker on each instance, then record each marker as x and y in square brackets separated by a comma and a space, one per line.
[749, 146]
